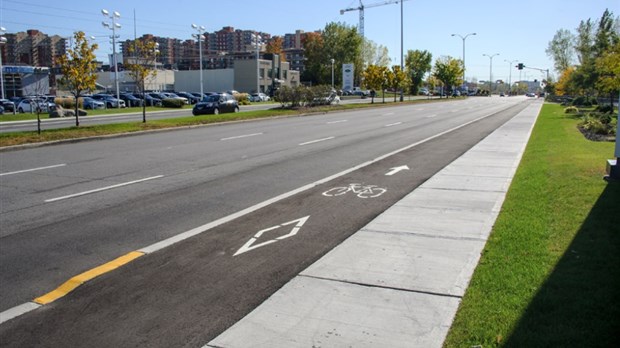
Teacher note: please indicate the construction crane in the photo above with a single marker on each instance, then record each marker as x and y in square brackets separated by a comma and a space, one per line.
[361, 8]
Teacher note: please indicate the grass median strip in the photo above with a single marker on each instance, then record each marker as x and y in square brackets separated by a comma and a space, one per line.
[80, 279]
[549, 275]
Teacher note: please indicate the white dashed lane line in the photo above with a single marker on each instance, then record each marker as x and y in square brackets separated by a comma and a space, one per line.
[316, 141]
[102, 189]
[241, 136]
[33, 169]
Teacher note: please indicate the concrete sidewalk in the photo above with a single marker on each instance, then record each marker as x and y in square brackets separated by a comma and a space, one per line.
[398, 281]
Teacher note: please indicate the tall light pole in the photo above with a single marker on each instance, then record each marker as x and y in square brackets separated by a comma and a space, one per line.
[257, 40]
[113, 26]
[490, 70]
[463, 38]
[332, 61]
[2, 42]
[402, 67]
[199, 36]
[510, 62]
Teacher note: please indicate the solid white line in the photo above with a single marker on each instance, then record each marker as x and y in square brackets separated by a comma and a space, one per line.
[336, 121]
[241, 136]
[101, 189]
[33, 169]
[200, 229]
[316, 141]
[433, 115]
[393, 124]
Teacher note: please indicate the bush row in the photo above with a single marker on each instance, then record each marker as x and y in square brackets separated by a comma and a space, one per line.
[301, 95]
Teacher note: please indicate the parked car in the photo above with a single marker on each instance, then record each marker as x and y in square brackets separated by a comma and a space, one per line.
[170, 95]
[31, 104]
[456, 93]
[7, 105]
[259, 97]
[90, 103]
[130, 100]
[215, 104]
[1, 110]
[150, 100]
[189, 96]
[423, 91]
[109, 100]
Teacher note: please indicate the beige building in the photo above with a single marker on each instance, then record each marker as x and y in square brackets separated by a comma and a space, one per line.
[244, 77]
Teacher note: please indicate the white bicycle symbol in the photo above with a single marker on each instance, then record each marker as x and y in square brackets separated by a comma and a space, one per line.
[362, 191]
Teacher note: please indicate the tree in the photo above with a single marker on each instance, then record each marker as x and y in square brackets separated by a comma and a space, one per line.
[417, 63]
[78, 68]
[142, 67]
[448, 70]
[375, 77]
[375, 54]
[609, 66]
[397, 79]
[564, 86]
[561, 49]
[337, 41]
[274, 46]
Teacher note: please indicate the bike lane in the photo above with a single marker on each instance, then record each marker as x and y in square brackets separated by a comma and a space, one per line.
[188, 293]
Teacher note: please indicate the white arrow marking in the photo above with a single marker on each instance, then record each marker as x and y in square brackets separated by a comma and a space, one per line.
[396, 170]
[250, 243]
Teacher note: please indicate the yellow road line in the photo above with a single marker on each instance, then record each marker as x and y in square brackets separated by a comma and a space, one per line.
[80, 279]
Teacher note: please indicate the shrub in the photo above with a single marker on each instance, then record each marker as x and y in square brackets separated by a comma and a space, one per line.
[242, 98]
[584, 101]
[172, 103]
[571, 110]
[605, 109]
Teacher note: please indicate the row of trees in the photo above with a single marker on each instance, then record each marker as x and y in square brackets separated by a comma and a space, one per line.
[596, 69]
[79, 68]
[337, 41]
[343, 44]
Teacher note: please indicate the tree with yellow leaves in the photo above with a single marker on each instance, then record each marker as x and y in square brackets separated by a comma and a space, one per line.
[78, 68]
[142, 66]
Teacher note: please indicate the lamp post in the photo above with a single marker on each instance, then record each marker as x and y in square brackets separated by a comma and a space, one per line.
[510, 62]
[2, 42]
[257, 39]
[491, 70]
[199, 36]
[402, 67]
[332, 61]
[463, 38]
[113, 26]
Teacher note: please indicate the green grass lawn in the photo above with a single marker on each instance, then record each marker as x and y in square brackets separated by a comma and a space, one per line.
[549, 275]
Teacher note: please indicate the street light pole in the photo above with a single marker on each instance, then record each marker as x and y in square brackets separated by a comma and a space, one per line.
[402, 67]
[2, 42]
[491, 70]
[113, 27]
[510, 62]
[257, 39]
[199, 35]
[333, 61]
[463, 38]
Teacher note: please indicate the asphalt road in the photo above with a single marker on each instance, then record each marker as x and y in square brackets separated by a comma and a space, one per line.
[68, 208]
[65, 122]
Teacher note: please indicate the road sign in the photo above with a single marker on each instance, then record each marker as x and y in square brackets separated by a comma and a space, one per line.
[250, 243]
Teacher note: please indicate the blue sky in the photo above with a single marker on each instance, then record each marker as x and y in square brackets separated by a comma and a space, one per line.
[517, 30]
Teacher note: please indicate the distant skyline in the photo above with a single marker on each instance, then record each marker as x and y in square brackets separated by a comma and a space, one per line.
[518, 30]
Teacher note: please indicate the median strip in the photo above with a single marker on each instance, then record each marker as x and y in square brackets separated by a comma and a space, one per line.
[80, 279]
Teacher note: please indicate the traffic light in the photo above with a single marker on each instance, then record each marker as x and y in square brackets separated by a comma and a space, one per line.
[520, 66]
